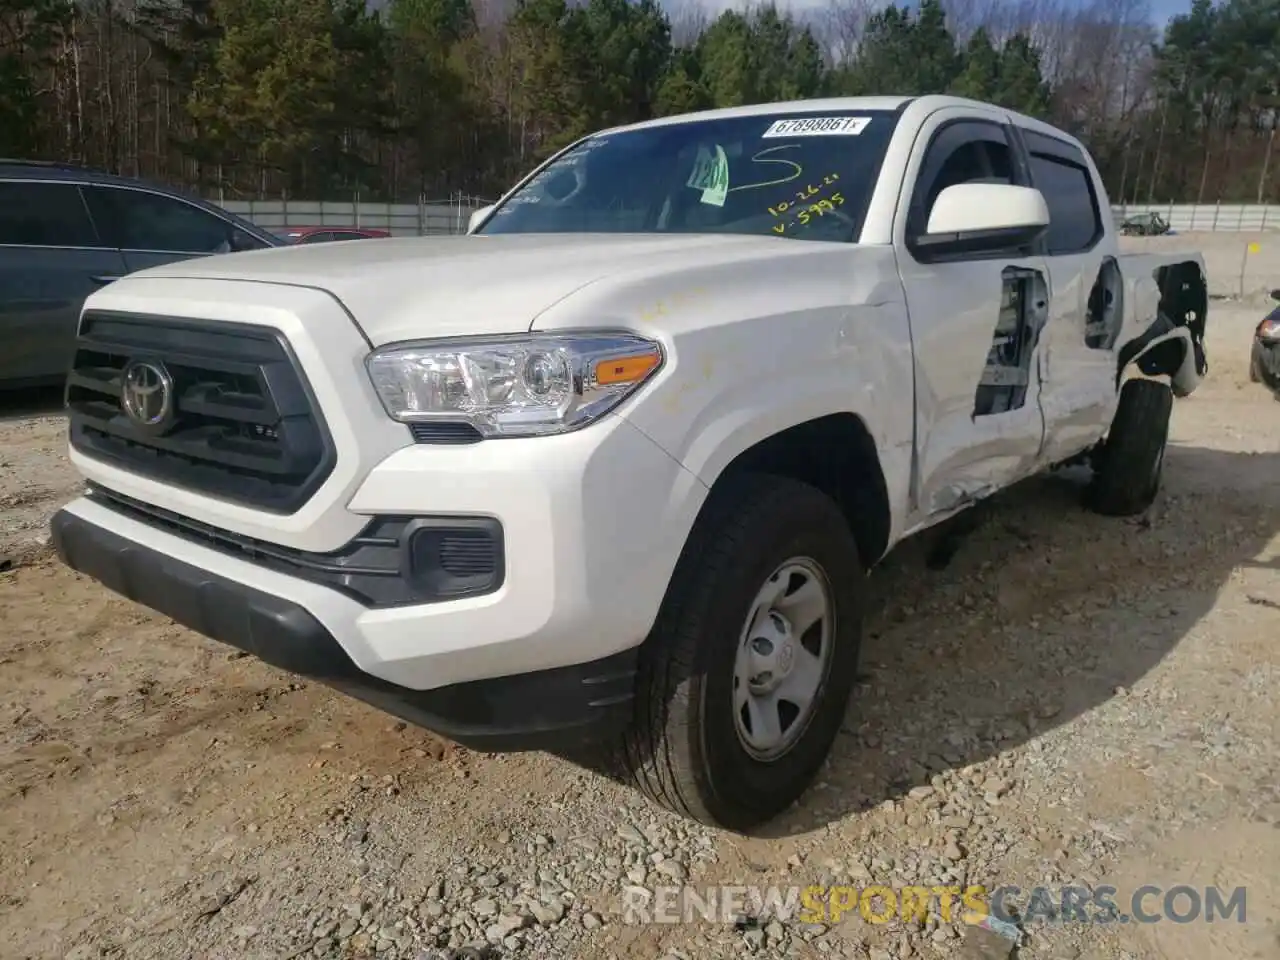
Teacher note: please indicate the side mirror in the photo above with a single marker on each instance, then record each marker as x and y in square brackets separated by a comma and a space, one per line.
[975, 218]
[1275, 294]
[478, 218]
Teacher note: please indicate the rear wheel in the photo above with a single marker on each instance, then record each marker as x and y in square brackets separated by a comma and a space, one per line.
[745, 678]
[1128, 467]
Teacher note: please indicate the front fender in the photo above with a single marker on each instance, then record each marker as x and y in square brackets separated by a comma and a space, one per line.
[737, 385]
[760, 337]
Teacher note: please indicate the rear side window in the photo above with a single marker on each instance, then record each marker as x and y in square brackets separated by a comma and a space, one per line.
[1059, 172]
[154, 222]
[34, 214]
[347, 235]
[322, 237]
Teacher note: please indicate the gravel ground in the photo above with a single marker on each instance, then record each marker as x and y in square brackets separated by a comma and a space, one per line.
[1071, 700]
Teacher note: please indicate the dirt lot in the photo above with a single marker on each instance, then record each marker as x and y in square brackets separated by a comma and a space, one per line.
[1072, 700]
[1239, 265]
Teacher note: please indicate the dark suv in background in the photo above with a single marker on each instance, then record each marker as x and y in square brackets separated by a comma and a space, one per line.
[65, 232]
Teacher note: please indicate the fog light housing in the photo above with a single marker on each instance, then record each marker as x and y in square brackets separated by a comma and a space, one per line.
[454, 557]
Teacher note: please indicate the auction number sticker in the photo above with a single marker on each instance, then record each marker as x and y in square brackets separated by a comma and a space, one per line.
[817, 127]
[710, 175]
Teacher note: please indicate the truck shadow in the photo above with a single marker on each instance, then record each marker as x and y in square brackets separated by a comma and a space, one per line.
[1044, 612]
[23, 403]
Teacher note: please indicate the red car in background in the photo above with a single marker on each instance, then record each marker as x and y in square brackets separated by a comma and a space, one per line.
[327, 234]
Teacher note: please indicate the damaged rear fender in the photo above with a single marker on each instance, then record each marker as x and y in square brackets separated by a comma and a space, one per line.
[1172, 342]
[1171, 354]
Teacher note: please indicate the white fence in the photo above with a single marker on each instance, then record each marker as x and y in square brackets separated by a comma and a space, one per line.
[425, 218]
[1210, 217]
[450, 216]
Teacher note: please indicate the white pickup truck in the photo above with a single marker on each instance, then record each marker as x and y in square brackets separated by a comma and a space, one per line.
[606, 475]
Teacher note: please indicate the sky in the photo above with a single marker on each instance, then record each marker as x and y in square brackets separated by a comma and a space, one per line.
[1162, 10]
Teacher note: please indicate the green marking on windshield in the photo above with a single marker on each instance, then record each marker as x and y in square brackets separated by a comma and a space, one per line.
[710, 175]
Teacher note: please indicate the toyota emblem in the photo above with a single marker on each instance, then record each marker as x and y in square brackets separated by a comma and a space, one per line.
[146, 395]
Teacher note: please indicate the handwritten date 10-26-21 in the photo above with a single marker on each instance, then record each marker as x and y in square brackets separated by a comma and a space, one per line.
[818, 208]
[803, 194]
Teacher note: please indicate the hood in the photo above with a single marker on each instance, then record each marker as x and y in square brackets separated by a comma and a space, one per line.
[418, 287]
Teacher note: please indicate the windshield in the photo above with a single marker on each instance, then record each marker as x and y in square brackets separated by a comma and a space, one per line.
[800, 176]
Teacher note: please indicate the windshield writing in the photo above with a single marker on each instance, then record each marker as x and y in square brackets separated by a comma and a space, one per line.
[800, 177]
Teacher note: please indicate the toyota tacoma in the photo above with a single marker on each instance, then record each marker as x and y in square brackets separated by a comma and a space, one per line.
[605, 475]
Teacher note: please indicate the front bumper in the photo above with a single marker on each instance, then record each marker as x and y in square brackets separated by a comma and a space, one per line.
[1264, 364]
[547, 709]
[592, 525]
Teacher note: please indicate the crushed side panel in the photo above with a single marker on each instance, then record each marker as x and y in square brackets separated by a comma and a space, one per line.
[1023, 311]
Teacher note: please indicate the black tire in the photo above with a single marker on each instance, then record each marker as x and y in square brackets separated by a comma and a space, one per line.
[683, 749]
[1129, 464]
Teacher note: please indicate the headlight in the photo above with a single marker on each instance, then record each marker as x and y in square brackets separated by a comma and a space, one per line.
[1269, 329]
[521, 386]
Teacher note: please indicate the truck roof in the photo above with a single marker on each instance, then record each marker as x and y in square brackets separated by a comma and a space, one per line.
[792, 106]
[931, 102]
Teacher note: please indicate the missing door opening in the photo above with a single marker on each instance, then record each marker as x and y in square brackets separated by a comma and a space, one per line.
[1106, 307]
[1024, 306]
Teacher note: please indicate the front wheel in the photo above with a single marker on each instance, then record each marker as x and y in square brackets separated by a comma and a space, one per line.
[745, 678]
